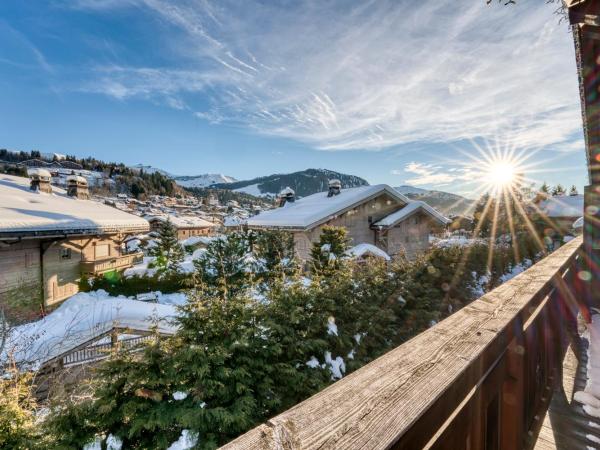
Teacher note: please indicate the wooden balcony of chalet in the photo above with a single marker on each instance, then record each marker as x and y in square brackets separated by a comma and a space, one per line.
[119, 262]
[484, 378]
[499, 374]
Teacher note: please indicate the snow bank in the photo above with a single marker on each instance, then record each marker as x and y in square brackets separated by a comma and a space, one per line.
[83, 317]
[141, 269]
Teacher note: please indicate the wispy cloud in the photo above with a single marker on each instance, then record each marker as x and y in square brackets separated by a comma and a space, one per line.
[434, 175]
[8, 32]
[366, 75]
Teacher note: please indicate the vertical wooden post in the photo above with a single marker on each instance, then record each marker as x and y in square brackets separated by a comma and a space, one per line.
[512, 412]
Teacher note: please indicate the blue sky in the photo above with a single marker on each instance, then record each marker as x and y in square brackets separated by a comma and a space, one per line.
[396, 92]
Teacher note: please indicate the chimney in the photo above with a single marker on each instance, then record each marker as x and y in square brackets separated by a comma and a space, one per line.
[40, 180]
[335, 186]
[77, 187]
[286, 196]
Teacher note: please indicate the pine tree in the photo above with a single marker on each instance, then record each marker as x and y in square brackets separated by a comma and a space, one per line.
[168, 252]
[134, 399]
[226, 363]
[226, 268]
[329, 252]
[558, 190]
[274, 252]
[573, 191]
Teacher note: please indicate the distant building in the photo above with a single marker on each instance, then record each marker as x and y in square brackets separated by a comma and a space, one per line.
[557, 215]
[377, 215]
[187, 226]
[49, 238]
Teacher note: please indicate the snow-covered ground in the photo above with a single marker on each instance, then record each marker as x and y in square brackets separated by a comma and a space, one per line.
[145, 269]
[85, 316]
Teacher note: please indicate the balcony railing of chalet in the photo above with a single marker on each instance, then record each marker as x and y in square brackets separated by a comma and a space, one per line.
[112, 263]
[480, 379]
[101, 351]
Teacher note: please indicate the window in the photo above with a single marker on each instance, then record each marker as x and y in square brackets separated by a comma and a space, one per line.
[65, 253]
[102, 251]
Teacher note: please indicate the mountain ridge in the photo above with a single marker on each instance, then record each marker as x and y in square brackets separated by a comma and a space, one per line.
[304, 182]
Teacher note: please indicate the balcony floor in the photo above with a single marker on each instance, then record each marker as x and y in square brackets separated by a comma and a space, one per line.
[566, 425]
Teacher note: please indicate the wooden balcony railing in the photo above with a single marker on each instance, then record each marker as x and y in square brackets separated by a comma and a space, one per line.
[480, 379]
[112, 263]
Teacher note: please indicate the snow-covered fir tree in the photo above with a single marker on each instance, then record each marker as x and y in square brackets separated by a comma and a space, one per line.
[168, 252]
[329, 251]
[226, 268]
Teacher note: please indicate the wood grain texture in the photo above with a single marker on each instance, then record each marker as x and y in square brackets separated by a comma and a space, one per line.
[401, 399]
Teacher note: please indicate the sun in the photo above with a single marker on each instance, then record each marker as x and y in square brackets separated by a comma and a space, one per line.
[502, 173]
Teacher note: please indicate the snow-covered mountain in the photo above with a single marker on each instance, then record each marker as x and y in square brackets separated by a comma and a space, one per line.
[305, 182]
[149, 169]
[205, 180]
[405, 189]
[446, 202]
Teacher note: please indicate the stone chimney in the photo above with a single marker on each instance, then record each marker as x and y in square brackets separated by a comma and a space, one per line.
[77, 187]
[286, 196]
[335, 186]
[39, 180]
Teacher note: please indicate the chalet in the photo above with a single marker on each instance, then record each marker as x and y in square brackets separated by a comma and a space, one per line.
[557, 214]
[50, 237]
[187, 226]
[377, 215]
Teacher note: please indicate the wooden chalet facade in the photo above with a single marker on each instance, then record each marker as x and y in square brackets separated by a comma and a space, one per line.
[186, 226]
[49, 240]
[377, 215]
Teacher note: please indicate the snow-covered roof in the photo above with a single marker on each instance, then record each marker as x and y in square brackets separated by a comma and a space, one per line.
[27, 213]
[38, 172]
[410, 209]
[363, 249]
[77, 178]
[183, 221]
[82, 318]
[562, 206]
[315, 209]
[233, 221]
[195, 240]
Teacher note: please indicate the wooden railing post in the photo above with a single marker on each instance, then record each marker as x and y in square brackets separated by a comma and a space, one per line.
[513, 389]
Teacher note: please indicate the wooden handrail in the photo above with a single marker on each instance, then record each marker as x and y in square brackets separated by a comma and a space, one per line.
[476, 380]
